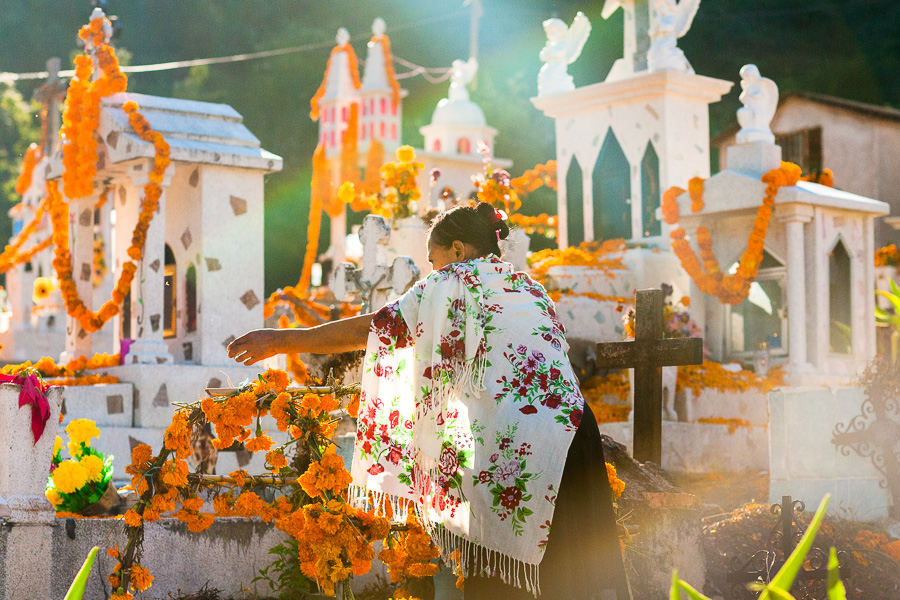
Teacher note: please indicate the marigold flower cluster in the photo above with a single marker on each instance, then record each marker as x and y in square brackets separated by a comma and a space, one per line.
[536, 178]
[712, 375]
[326, 475]
[495, 189]
[729, 289]
[410, 555]
[81, 119]
[542, 224]
[47, 367]
[824, 177]
[617, 485]
[605, 257]
[397, 191]
[888, 256]
[732, 423]
[335, 540]
[80, 481]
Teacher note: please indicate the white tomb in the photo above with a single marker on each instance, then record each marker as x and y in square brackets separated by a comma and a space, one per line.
[811, 303]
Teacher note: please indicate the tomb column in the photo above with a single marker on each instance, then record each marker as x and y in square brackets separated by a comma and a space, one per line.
[81, 248]
[794, 216]
[148, 287]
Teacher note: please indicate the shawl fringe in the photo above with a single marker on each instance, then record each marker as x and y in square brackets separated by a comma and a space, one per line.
[454, 549]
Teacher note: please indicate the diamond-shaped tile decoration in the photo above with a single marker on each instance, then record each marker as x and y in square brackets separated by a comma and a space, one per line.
[115, 404]
[195, 177]
[161, 360]
[213, 264]
[86, 218]
[162, 396]
[154, 323]
[123, 195]
[186, 239]
[82, 333]
[112, 140]
[214, 383]
[238, 205]
[188, 349]
[228, 341]
[155, 265]
[62, 409]
[134, 443]
[86, 272]
[249, 299]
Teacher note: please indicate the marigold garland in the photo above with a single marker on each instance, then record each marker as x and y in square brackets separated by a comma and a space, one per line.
[81, 118]
[730, 289]
[11, 257]
[75, 368]
[542, 224]
[334, 538]
[354, 74]
[605, 257]
[389, 67]
[33, 156]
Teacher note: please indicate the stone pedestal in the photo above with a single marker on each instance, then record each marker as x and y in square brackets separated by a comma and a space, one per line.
[24, 464]
[754, 158]
[408, 238]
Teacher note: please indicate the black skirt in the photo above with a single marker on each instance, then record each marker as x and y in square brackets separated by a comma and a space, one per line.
[583, 558]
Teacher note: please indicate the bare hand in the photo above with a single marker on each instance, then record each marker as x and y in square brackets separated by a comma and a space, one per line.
[256, 345]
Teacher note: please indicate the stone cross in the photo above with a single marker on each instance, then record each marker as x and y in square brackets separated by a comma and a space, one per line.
[375, 279]
[647, 354]
[637, 32]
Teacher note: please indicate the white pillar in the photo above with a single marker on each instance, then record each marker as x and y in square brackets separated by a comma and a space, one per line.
[81, 247]
[147, 303]
[794, 216]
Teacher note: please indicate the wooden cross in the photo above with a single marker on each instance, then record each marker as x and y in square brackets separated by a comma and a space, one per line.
[50, 95]
[374, 279]
[647, 354]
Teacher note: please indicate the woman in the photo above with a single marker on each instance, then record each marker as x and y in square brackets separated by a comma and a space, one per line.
[470, 411]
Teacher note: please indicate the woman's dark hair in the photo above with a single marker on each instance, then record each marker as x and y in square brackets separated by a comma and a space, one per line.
[479, 225]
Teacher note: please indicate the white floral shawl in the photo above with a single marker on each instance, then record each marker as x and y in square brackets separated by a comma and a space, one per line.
[467, 411]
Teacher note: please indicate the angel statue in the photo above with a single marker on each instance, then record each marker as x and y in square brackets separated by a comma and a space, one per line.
[461, 74]
[563, 47]
[670, 20]
[760, 99]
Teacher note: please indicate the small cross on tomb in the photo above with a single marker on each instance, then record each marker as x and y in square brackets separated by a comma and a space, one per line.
[374, 279]
[647, 354]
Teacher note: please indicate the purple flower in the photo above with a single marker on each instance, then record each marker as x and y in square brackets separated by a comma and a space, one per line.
[501, 177]
[435, 174]
[495, 457]
[522, 349]
[538, 356]
[507, 475]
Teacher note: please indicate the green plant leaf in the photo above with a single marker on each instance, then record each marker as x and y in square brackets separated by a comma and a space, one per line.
[784, 579]
[895, 288]
[76, 591]
[690, 591]
[893, 298]
[836, 589]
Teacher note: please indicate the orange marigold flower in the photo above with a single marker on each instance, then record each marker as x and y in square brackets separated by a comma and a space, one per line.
[261, 443]
[141, 454]
[141, 577]
[276, 460]
[132, 519]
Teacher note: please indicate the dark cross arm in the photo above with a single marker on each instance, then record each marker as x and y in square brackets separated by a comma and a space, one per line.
[651, 353]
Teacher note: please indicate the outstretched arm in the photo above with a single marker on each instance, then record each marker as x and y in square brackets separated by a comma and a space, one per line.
[345, 335]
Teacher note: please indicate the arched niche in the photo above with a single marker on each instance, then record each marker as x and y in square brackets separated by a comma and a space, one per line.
[612, 191]
[840, 303]
[650, 193]
[574, 203]
[170, 296]
[761, 318]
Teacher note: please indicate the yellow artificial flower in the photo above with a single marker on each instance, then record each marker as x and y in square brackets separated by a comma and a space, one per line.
[54, 497]
[93, 465]
[69, 476]
[81, 431]
[347, 192]
[57, 445]
[406, 154]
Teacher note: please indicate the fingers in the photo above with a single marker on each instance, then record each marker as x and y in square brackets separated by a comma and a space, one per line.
[247, 349]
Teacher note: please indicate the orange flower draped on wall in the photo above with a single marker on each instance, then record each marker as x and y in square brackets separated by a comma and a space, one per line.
[708, 275]
[33, 156]
[354, 73]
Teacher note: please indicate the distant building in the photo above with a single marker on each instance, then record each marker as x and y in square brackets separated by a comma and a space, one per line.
[859, 142]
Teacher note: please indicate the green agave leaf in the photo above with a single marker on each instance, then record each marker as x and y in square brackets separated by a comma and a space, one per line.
[895, 288]
[893, 298]
[836, 589]
[679, 586]
[76, 591]
[784, 579]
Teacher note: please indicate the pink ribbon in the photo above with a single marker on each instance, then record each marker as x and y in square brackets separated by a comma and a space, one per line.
[33, 393]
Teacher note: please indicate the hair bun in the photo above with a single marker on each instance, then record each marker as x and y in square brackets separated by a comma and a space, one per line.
[496, 219]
